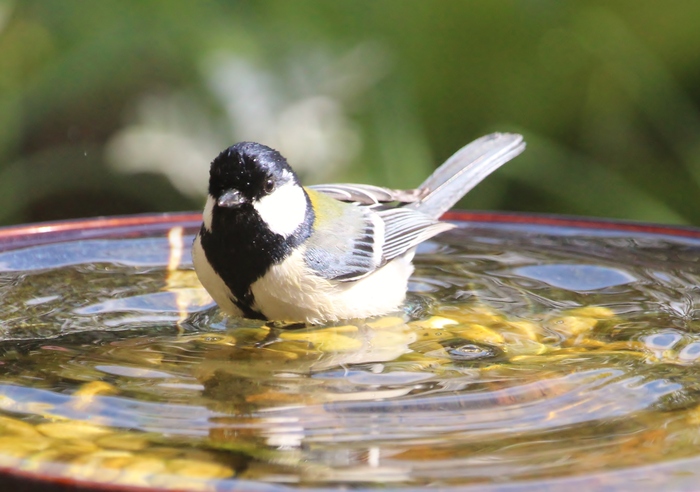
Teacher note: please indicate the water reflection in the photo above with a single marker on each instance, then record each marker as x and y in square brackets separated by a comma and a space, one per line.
[576, 277]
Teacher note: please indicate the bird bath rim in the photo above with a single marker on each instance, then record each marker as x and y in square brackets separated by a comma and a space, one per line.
[17, 236]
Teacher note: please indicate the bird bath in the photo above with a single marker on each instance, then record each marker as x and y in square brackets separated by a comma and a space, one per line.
[534, 353]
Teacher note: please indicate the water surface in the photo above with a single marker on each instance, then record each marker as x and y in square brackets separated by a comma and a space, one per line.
[525, 359]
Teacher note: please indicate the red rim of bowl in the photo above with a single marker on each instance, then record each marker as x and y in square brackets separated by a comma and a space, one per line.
[136, 225]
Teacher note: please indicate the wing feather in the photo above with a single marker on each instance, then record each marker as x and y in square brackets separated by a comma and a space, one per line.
[368, 241]
[406, 228]
[367, 194]
[348, 248]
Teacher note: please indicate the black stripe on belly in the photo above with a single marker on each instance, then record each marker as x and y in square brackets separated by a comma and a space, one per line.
[245, 306]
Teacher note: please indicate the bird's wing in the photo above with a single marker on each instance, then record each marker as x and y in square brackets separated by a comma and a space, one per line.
[347, 239]
[405, 229]
[365, 240]
[352, 240]
[367, 194]
[363, 235]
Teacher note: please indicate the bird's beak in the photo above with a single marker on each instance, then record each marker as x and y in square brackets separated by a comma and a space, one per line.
[231, 199]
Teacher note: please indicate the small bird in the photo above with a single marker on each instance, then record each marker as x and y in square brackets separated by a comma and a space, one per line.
[270, 248]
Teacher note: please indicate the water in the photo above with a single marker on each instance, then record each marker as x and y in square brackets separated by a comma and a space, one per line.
[526, 359]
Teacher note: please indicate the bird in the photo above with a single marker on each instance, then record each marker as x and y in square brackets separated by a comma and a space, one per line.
[270, 248]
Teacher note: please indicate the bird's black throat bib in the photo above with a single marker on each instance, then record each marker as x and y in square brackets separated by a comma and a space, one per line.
[241, 249]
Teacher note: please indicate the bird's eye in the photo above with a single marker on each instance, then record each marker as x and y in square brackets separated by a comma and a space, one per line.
[269, 185]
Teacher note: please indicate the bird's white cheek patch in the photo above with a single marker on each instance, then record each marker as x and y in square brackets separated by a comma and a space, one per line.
[284, 209]
[208, 211]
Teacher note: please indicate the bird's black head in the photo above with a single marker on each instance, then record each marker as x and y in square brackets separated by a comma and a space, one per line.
[247, 172]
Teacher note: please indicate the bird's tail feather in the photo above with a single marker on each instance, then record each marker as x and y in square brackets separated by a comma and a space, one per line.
[464, 170]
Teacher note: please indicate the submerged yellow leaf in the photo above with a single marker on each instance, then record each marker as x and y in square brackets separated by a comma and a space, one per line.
[572, 325]
[15, 427]
[434, 322]
[386, 322]
[96, 388]
[72, 430]
[324, 340]
[531, 330]
[481, 314]
[479, 333]
[597, 312]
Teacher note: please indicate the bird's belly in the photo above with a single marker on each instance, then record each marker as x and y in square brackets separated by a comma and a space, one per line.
[291, 292]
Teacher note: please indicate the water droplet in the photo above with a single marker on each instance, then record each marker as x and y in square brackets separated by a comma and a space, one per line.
[471, 351]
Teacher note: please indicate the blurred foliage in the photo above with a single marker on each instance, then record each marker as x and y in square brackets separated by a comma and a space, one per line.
[116, 107]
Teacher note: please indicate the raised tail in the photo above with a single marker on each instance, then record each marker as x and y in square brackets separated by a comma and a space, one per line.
[464, 170]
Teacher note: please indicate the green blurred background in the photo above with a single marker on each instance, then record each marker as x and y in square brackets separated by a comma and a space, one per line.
[112, 107]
